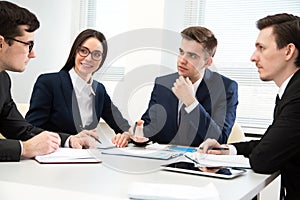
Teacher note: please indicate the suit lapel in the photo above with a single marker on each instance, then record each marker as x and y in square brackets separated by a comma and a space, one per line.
[288, 94]
[70, 99]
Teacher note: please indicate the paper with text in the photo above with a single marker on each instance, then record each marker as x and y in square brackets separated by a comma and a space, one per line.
[69, 155]
[211, 160]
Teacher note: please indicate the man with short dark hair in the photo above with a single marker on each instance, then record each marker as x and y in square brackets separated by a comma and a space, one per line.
[194, 103]
[277, 59]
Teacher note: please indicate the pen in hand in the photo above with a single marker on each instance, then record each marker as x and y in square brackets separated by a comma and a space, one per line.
[82, 129]
[98, 141]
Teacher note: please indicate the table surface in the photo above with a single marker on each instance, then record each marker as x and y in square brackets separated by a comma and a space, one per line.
[110, 179]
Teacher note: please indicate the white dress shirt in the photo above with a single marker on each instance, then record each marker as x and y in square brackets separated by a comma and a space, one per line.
[84, 94]
[191, 107]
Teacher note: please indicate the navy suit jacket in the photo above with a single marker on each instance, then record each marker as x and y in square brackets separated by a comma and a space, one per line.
[53, 106]
[212, 118]
[12, 125]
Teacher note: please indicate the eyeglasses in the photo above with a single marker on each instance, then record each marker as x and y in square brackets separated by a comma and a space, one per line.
[30, 44]
[84, 52]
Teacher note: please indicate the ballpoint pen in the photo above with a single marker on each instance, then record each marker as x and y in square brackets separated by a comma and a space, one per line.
[194, 161]
[82, 129]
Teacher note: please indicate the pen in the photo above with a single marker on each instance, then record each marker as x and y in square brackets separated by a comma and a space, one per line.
[195, 161]
[217, 148]
[82, 129]
[98, 141]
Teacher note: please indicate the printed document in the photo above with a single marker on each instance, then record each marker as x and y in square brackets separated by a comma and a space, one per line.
[69, 155]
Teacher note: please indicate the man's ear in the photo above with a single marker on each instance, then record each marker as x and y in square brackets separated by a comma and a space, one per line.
[290, 51]
[1, 40]
[208, 62]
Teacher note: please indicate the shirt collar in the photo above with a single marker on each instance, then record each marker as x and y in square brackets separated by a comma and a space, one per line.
[79, 84]
[197, 83]
[283, 86]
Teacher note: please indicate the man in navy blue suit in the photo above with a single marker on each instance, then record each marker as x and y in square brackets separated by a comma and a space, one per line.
[203, 100]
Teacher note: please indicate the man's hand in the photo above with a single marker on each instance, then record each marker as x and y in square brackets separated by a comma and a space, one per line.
[184, 90]
[121, 140]
[84, 139]
[208, 145]
[44, 143]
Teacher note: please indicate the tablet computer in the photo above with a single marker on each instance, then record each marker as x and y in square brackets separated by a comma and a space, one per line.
[191, 168]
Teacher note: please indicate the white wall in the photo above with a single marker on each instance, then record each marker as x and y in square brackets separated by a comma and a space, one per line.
[53, 41]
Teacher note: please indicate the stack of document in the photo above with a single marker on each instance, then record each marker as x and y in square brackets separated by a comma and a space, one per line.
[211, 160]
[69, 155]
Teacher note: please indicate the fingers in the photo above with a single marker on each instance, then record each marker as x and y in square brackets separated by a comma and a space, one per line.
[41, 144]
[184, 90]
[207, 145]
[121, 140]
[91, 133]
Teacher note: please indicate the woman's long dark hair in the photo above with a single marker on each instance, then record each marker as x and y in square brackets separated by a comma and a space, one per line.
[83, 36]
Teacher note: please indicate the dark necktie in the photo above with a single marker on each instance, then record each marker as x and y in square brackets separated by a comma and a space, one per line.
[183, 126]
[276, 107]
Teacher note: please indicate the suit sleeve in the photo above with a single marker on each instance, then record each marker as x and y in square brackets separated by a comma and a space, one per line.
[224, 114]
[10, 150]
[218, 122]
[279, 145]
[12, 124]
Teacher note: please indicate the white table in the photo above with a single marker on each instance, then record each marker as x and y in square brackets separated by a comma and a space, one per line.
[30, 180]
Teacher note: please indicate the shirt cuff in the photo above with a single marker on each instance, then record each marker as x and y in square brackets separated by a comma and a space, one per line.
[67, 142]
[232, 150]
[191, 107]
[21, 144]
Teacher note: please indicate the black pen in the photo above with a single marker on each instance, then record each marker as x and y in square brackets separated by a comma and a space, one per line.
[217, 148]
[98, 141]
[82, 129]
[194, 161]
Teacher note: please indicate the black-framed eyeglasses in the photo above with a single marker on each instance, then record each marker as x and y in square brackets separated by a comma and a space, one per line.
[30, 44]
[84, 52]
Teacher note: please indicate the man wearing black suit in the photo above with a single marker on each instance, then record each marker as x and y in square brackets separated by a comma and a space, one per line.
[277, 58]
[196, 103]
[17, 26]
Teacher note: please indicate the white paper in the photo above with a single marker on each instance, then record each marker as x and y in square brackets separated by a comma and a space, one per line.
[68, 155]
[139, 190]
[157, 146]
[211, 160]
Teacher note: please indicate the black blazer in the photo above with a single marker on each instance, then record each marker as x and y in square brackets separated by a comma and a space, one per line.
[12, 125]
[53, 106]
[213, 117]
[279, 148]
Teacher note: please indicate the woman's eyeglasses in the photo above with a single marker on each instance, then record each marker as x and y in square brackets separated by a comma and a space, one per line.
[84, 52]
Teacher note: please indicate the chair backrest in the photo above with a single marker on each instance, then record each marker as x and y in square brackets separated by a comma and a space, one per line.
[236, 135]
